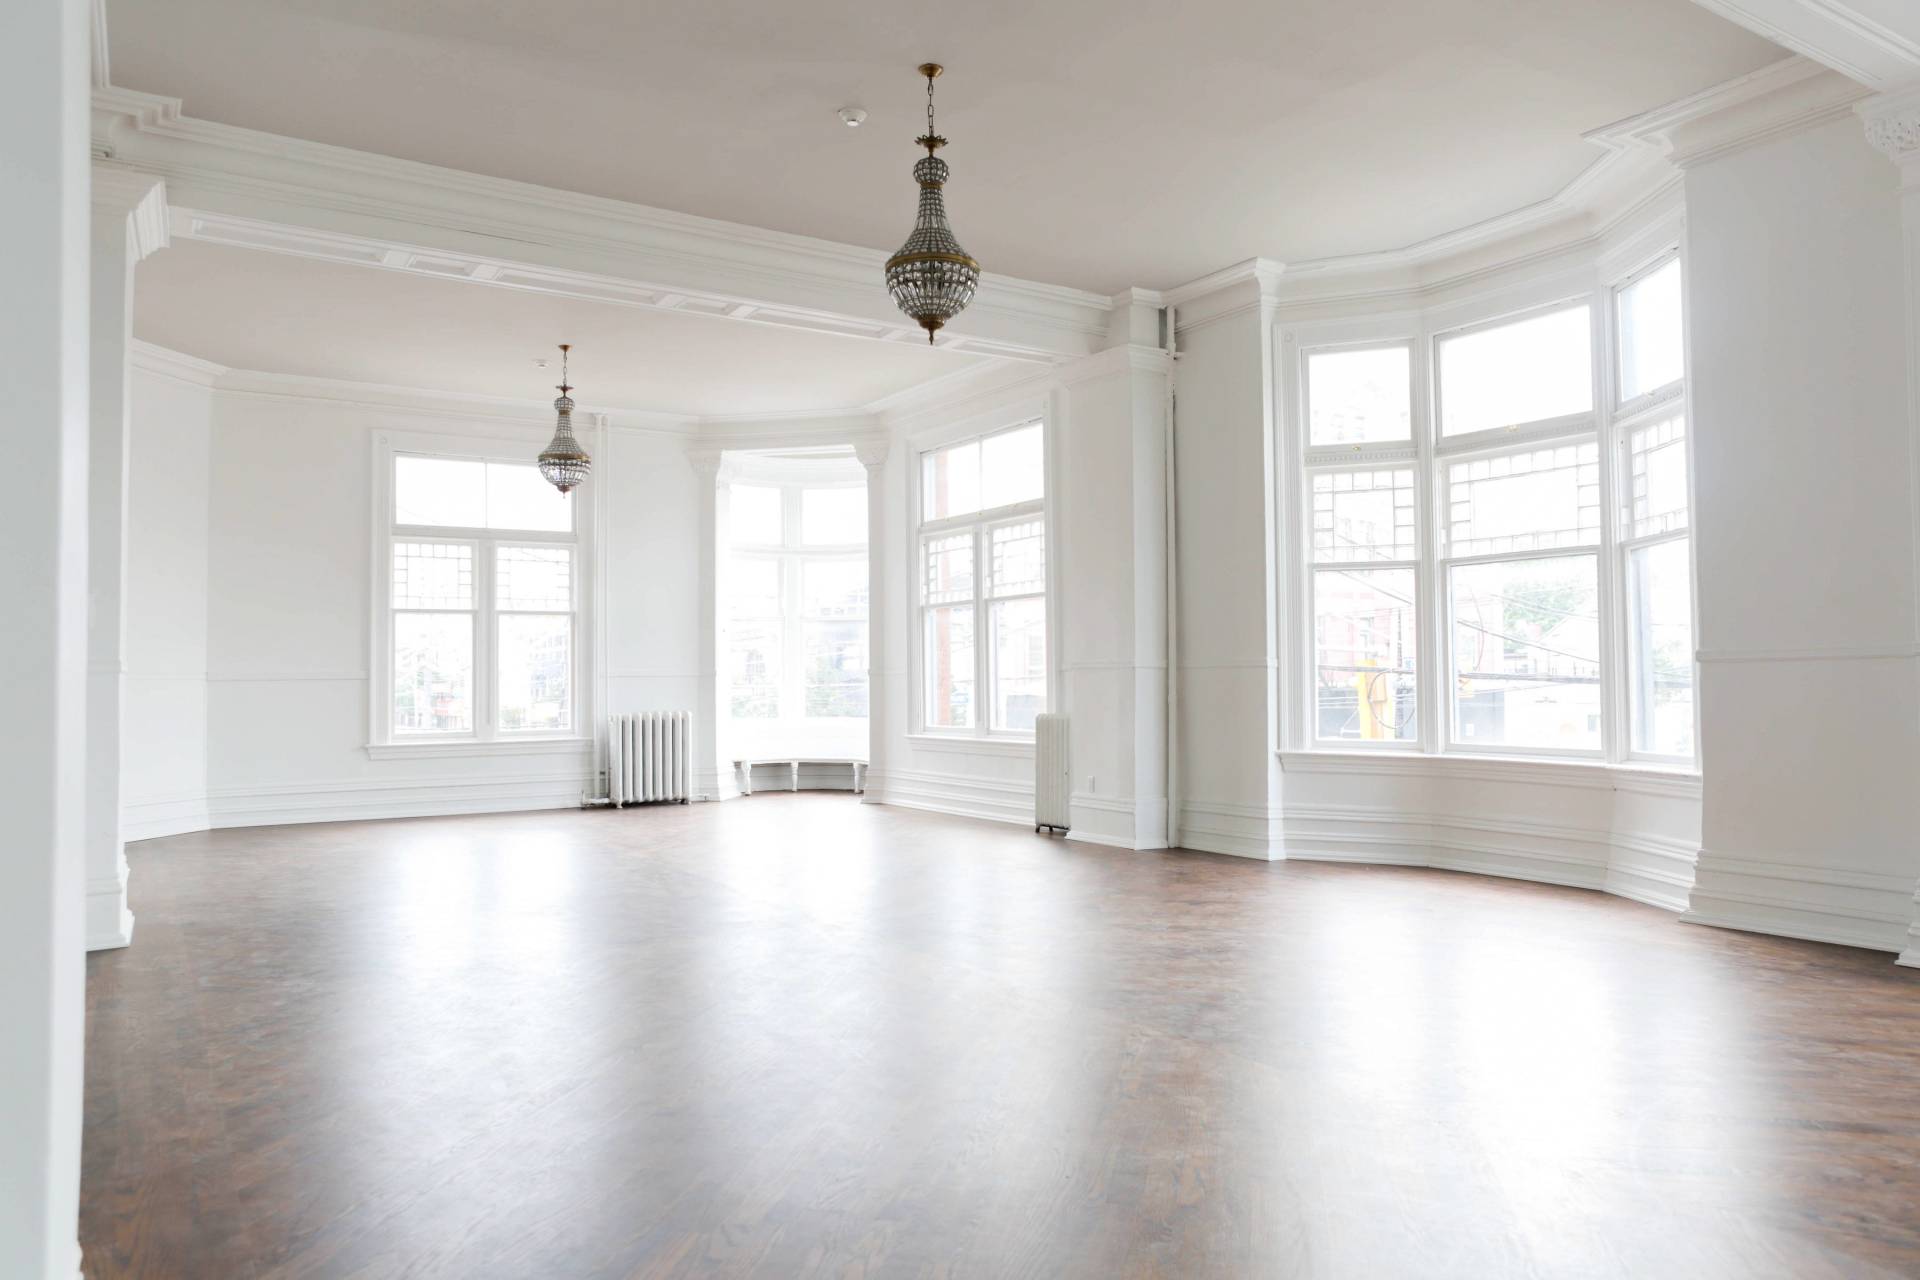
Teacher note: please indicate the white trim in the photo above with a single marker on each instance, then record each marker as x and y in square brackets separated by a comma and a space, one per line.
[359, 799]
[467, 749]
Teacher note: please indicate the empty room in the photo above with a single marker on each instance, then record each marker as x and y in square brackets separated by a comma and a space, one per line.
[1025, 640]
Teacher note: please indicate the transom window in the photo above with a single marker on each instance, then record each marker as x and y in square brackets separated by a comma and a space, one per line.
[481, 602]
[1512, 575]
[983, 584]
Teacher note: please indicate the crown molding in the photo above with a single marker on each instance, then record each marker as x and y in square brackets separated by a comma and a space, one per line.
[265, 191]
[1779, 99]
[1837, 36]
[140, 200]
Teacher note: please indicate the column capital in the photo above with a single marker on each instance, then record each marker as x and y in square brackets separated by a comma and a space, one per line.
[872, 451]
[706, 463]
[140, 199]
[1892, 123]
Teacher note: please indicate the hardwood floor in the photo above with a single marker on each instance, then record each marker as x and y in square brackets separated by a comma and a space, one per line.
[800, 1036]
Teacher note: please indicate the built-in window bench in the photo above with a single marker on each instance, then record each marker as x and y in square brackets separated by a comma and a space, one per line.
[744, 764]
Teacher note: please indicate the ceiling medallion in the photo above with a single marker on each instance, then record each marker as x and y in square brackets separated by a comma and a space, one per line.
[931, 279]
[563, 462]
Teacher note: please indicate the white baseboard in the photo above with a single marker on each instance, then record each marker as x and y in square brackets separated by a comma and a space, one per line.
[166, 816]
[1645, 868]
[961, 797]
[1237, 830]
[1867, 909]
[109, 923]
[350, 800]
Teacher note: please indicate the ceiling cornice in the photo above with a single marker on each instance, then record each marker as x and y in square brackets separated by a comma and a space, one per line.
[291, 195]
[1779, 99]
[1866, 51]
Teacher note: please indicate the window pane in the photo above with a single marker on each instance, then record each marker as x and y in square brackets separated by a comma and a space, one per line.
[439, 491]
[1526, 646]
[833, 517]
[949, 667]
[1363, 515]
[1660, 648]
[1517, 373]
[1019, 662]
[1658, 460]
[948, 569]
[834, 589]
[1651, 347]
[753, 669]
[1012, 467]
[1363, 631]
[753, 587]
[536, 671]
[754, 513]
[836, 666]
[432, 575]
[519, 497]
[950, 481]
[1528, 501]
[1019, 558]
[1355, 397]
[433, 672]
[534, 578]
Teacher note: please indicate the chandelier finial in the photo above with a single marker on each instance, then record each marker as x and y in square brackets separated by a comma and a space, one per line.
[932, 278]
[563, 462]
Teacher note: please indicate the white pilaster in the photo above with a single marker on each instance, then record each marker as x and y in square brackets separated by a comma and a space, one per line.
[129, 222]
[873, 456]
[1893, 127]
[712, 771]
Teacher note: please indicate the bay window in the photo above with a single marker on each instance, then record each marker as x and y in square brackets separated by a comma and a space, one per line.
[1494, 533]
[982, 586]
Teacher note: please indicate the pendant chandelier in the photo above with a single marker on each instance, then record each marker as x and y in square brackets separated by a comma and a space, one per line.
[563, 462]
[931, 279]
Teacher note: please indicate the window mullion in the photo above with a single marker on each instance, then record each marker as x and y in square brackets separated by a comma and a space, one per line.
[982, 637]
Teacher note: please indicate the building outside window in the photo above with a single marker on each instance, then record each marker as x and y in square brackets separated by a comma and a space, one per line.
[1514, 562]
[982, 584]
[480, 617]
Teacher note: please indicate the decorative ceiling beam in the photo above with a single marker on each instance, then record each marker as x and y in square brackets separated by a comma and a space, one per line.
[1875, 43]
[262, 191]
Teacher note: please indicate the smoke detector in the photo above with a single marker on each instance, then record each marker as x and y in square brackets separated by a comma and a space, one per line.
[853, 117]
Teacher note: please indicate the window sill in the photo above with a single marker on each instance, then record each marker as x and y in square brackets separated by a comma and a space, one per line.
[1640, 776]
[965, 742]
[468, 748]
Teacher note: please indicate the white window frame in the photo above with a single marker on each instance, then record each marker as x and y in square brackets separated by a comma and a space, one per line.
[791, 556]
[1608, 425]
[385, 741]
[1669, 400]
[981, 524]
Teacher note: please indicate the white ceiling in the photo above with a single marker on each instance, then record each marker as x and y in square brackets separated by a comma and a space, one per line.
[280, 314]
[1095, 143]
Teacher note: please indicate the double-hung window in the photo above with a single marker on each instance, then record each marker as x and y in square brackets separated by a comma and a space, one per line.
[1520, 532]
[1657, 565]
[481, 606]
[982, 584]
[1495, 532]
[797, 608]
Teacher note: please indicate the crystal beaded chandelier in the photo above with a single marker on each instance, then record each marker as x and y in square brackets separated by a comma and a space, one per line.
[563, 462]
[932, 278]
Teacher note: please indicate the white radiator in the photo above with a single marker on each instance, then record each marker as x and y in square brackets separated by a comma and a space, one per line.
[1051, 782]
[650, 757]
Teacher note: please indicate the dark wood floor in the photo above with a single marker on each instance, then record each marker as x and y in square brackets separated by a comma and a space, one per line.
[799, 1036]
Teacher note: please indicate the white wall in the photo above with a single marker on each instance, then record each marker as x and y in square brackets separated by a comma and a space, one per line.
[43, 575]
[164, 762]
[288, 557]
[1805, 532]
